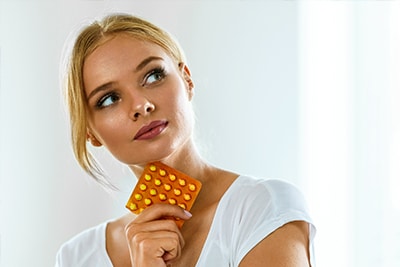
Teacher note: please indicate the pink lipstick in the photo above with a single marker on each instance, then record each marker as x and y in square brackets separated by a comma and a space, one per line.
[151, 130]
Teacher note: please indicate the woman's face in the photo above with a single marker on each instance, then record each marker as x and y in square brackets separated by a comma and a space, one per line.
[138, 99]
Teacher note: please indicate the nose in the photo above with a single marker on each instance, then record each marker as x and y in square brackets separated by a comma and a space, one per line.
[142, 107]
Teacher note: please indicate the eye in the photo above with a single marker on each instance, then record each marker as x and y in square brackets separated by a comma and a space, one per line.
[107, 100]
[154, 76]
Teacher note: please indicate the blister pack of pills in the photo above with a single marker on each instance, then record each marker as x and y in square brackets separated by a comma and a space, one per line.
[160, 183]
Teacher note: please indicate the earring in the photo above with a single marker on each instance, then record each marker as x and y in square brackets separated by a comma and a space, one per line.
[93, 140]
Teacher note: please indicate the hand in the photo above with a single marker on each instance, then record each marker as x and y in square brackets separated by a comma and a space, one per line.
[154, 241]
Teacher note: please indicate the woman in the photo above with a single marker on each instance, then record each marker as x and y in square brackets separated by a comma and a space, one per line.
[129, 89]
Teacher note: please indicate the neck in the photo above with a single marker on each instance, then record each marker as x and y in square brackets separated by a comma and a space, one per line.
[187, 160]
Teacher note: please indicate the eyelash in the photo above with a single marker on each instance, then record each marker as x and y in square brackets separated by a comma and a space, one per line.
[160, 71]
[156, 71]
[100, 103]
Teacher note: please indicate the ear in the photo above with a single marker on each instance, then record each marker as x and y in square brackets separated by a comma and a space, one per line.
[188, 78]
[92, 139]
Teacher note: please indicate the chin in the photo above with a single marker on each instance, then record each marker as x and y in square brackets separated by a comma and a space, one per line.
[151, 156]
[165, 150]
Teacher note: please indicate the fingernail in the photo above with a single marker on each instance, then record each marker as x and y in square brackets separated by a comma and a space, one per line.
[187, 213]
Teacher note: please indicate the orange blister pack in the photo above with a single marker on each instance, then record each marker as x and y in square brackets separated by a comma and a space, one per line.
[160, 183]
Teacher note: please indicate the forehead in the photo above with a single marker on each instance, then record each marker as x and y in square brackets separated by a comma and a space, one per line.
[122, 47]
[117, 55]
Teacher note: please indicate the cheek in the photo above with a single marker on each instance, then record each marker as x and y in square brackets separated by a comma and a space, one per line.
[185, 113]
[110, 129]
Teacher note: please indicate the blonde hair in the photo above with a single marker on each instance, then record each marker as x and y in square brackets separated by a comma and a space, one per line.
[87, 41]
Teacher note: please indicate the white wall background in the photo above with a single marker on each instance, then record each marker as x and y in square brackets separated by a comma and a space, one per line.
[307, 91]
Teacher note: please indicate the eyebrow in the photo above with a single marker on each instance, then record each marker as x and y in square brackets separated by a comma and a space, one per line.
[146, 61]
[103, 87]
[139, 67]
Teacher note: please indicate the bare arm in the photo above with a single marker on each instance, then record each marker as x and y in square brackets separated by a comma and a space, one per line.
[286, 247]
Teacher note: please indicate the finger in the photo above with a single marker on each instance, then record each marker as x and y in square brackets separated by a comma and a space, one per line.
[168, 250]
[135, 227]
[158, 243]
[161, 211]
[149, 247]
[152, 227]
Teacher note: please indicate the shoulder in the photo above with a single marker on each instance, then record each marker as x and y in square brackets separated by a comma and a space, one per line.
[260, 206]
[82, 248]
[275, 194]
[257, 207]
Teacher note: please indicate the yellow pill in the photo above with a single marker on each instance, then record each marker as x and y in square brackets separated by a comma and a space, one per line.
[162, 172]
[182, 182]
[167, 187]
[187, 197]
[147, 201]
[172, 201]
[143, 187]
[133, 206]
[147, 177]
[183, 206]
[177, 192]
[162, 196]
[192, 187]
[138, 196]
[157, 182]
[172, 177]
[153, 192]
[153, 168]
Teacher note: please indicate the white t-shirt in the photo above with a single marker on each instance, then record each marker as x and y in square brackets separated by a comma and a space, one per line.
[249, 211]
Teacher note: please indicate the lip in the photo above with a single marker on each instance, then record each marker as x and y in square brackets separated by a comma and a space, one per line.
[151, 130]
